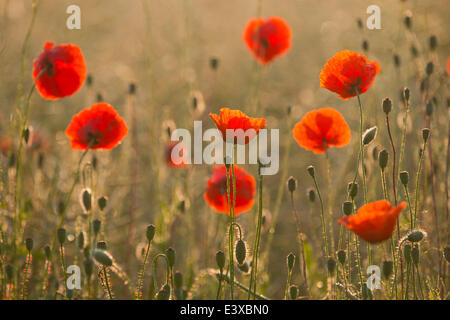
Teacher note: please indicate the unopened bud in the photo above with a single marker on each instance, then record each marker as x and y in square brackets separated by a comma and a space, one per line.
[102, 202]
[48, 252]
[429, 109]
[352, 189]
[396, 60]
[220, 259]
[96, 225]
[383, 158]
[292, 184]
[132, 88]
[241, 251]
[103, 257]
[425, 134]
[347, 208]
[86, 200]
[311, 171]
[406, 94]
[415, 254]
[29, 244]
[164, 293]
[416, 236]
[80, 240]
[150, 232]
[407, 20]
[387, 105]
[311, 195]
[290, 260]
[102, 245]
[293, 292]
[369, 135]
[178, 280]
[244, 267]
[170, 254]
[433, 42]
[404, 177]
[407, 252]
[365, 45]
[61, 235]
[429, 68]
[214, 63]
[341, 255]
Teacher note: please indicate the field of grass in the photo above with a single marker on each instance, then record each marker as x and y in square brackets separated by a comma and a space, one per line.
[139, 227]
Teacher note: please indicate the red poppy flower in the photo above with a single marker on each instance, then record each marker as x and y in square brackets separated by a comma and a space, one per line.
[177, 159]
[375, 221]
[236, 119]
[267, 38]
[216, 194]
[101, 127]
[348, 71]
[320, 129]
[65, 71]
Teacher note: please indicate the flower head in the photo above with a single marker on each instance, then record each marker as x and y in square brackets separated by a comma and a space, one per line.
[267, 38]
[216, 193]
[320, 129]
[235, 120]
[375, 221]
[99, 127]
[347, 72]
[63, 71]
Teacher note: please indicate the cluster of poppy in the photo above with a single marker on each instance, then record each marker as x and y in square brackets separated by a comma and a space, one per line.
[60, 71]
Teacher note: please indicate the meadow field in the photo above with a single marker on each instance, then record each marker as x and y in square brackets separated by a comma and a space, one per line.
[95, 203]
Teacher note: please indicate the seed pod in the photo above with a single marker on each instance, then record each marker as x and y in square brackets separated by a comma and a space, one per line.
[387, 269]
[429, 109]
[415, 236]
[341, 256]
[331, 264]
[383, 158]
[103, 257]
[429, 68]
[311, 195]
[369, 135]
[292, 184]
[170, 254]
[447, 253]
[164, 293]
[407, 252]
[102, 202]
[61, 235]
[290, 261]
[347, 208]
[80, 240]
[29, 244]
[244, 267]
[404, 177]
[96, 224]
[387, 105]
[293, 292]
[241, 251]
[311, 171]
[352, 189]
[102, 245]
[415, 254]
[48, 252]
[178, 280]
[425, 134]
[88, 266]
[220, 259]
[150, 232]
[433, 42]
[9, 270]
[86, 200]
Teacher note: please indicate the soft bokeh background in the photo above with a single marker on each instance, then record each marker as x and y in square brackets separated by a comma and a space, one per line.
[165, 47]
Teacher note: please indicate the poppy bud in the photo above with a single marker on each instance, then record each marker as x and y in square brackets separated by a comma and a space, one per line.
[26, 135]
[61, 235]
[99, 97]
[365, 45]
[96, 224]
[9, 270]
[292, 184]
[80, 240]
[311, 195]
[352, 189]
[103, 257]
[407, 252]
[433, 42]
[341, 256]
[102, 245]
[88, 266]
[290, 261]
[404, 177]
[170, 254]
[406, 94]
[429, 68]
[150, 232]
[383, 158]
[289, 110]
[48, 252]
[241, 251]
[359, 23]
[425, 134]
[132, 88]
[220, 259]
[29, 244]
[369, 135]
[415, 254]
[293, 292]
[387, 105]
[407, 20]
[414, 51]
[347, 208]
[311, 171]
[164, 293]
[102, 202]
[415, 236]
[396, 60]
[89, 80]
[178, 280]
[86, 200]
[331, 264]
[447, 253]
[429, 109]
[387, 268]
[69, 294]
[214, 63]
[244, 267]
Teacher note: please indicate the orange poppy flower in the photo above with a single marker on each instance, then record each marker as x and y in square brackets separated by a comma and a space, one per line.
[375, 221]
[320, 129]
[267, 38]
[177, 160]
[348, 71]
[101, 127]
[216, 193]
[65, 71]
[236, 119]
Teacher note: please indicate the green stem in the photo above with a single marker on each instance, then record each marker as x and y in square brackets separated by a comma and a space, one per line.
[141, 276]
[253, 276]
[108, 288]
[416, 196]
[362, 147]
